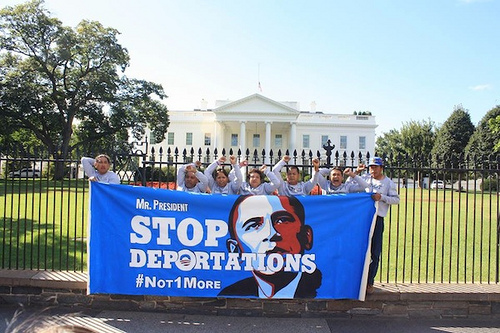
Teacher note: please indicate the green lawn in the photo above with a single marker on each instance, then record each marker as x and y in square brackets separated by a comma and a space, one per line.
[441, 236]
[43, 224]
[431, 236]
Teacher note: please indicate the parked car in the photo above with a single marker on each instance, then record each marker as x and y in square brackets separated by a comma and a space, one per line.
[437, 184]
[25, 173]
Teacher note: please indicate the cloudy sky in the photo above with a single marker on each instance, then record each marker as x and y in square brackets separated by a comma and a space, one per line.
[401, 60]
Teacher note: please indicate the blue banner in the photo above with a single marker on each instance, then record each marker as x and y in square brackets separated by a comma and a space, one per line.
[146, 241]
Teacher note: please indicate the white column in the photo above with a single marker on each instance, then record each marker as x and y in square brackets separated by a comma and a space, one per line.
[267, 146]
[293, 137]
[243, 139]
[220, 137]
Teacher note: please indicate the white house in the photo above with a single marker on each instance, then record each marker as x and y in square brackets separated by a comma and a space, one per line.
[257, 122]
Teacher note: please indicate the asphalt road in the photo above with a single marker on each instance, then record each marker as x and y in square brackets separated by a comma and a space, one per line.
[146, 322]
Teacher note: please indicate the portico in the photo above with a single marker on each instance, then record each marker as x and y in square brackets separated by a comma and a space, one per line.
[242, 123]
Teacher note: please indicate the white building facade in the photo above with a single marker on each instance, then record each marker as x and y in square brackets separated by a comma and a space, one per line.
[259, 123]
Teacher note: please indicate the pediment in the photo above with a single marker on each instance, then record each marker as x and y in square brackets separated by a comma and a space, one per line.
[256, 105]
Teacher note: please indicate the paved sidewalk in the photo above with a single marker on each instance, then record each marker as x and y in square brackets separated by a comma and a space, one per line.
[431, 300]
[140, 322]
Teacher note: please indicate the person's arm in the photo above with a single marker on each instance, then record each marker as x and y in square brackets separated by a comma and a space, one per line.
[308, 186]
[324, 172]
[209, 172]
[274, 181]
[322, 181]
[238, 176]
[203, 181]
[278, 166]
[392, 197]
[181, 175]
[355, 183]
[88, 166]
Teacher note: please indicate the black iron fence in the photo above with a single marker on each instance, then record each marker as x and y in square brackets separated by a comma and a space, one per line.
[445, 229]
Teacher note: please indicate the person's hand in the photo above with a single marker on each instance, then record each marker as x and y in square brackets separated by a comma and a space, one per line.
[348, 172]
[232, 159]
[222, 159]
[93, 179]
[376, 196]
[243, 163]
[286, 158]
[315, 163]
[198, 164]
[361, 167]
[263, 168]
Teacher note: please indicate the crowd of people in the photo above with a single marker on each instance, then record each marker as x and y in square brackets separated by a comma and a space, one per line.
[219, 180]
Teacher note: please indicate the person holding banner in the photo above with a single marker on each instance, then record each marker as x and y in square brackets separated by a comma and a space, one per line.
[98, 169]
[272, 229]
[384, 194]
[337, 185]
[190, 179]
[293, 185]
[256, 184]
[219, 179]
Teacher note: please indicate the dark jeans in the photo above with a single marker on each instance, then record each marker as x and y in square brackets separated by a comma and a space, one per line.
[376, 249]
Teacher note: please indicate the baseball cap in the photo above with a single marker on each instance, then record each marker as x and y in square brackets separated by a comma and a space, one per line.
[376, 161]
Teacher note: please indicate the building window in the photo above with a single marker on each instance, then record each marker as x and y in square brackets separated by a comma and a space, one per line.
[362, 142]
[234, 140]
[343, 142]
[189, 139]
[324, 140]
[305, 141]
[152, 140]
[208, 139]
[278, 141]
[256, 140]
[170, 138]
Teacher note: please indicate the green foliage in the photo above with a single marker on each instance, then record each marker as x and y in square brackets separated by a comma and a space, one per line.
[486, 138]
[490, 184]
[494, 125]
[453, 136]
[417, 137]
[52, 75]
[389, 143]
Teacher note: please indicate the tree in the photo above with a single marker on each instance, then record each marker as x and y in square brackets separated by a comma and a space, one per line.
[414, 137]
[389, 143]
[494, 124]
[452, 137]
[417, 137]
[486, 136]
[55, 80]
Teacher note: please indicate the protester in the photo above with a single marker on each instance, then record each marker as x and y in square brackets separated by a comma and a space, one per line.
[190, 179]
[384, 193]
[256, 183]
[293, 185]
[336, 183]
[98, 169]
[222, 182]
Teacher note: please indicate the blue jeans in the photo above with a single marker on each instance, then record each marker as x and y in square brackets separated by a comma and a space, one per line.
[376, 249]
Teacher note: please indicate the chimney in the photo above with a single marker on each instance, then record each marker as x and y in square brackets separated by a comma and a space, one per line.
[203, 104]
[313, 106]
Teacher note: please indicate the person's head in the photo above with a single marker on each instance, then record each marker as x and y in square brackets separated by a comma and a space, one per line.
[336, 176]
[255, 178]
[376, 167]
[221, 176]
[293, 175]
[268, 224]
[102, 163]
[190, 179]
